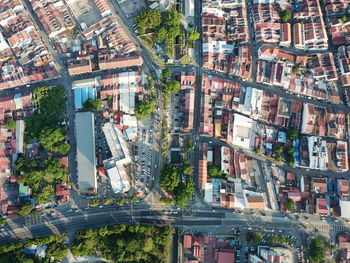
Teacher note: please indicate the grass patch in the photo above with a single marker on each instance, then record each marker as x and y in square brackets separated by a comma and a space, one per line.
[169, 258]
[147, 40]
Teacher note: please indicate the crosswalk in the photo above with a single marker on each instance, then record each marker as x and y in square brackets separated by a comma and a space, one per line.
[32, 219]
[325, 227]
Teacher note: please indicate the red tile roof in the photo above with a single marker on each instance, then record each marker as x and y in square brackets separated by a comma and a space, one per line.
[187, 241]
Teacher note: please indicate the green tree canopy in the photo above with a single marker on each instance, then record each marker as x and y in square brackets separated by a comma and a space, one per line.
[160, 33]
[292, 134]
[214, 171]
[290, 150]
[44, 196]
[166, 73]
[316, 251]
[290, 160]
[169, 177]
[187, 169]
[278, 148]
[56, 250]
[3, 221]
[171, 22]
[133, 199]
[94, 203]
[53, 139]
[278, 158]
[193, 35]
[107, 201]
[144, 108]
[11, 124]
[91, 104]
[258, 237]
[25, 208]
[54, 171]
[183, 192]
[148, 19]
[290, 205]
[120, 200]
[285, 15]
[172, 86]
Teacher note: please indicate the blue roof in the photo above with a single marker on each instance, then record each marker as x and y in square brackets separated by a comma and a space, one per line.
[17, 99]
[81, 94]
[29, 251]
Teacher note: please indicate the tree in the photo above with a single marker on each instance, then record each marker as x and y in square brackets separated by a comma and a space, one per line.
[214, 171]
[44, 196]
[290, 205]
[54, 171]
[278, 158]
[160, 33]
[148, 19]
[25, 208]
[171, 22]
[183, 192]
[107, 201]
[189, 146]
[94, 203]
[172, 86]
[169, 177]
[56, 250]
[285, 15]
[187, 169]
[278, 148]
[250, 236]
[190, 24]
[120, 200]
[290, 150]
[296, 70]
[2, 221]
[292, 134]
[53, 138]
[193, 35]
[133, 199]
[150, 81]
[144, 108]
[290, 160]
[166, 73]
[316, 251]
[11, 124]
[91, 104]
[258, 237]
[343, 18]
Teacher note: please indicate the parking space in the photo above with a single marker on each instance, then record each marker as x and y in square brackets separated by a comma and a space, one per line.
[131, 7]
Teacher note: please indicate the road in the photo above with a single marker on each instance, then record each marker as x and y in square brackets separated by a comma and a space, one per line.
[66, 220]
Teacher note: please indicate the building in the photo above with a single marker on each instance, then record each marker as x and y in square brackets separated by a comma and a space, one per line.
[189, 8]
[86, 155]
[120, 156]
[243, 133]
[54, 16]
[83, 90]
[318, 154]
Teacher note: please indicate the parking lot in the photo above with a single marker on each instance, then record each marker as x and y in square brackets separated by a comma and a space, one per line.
[85, 12]
[131, 7]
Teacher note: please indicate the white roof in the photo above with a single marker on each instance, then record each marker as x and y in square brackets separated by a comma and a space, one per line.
[344, 208]
[189, 7]
[243, 133]
[208, 192]
[19, 136]
[116, 142]
[119, 179]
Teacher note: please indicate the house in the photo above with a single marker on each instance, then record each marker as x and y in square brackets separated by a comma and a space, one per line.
[319, 185]
[255, 202]
[62, 193]
[226, 255]
[343, 187]
[187, 241]
[321, 206]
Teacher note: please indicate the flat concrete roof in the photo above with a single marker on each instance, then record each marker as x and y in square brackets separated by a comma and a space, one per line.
[86, 155]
